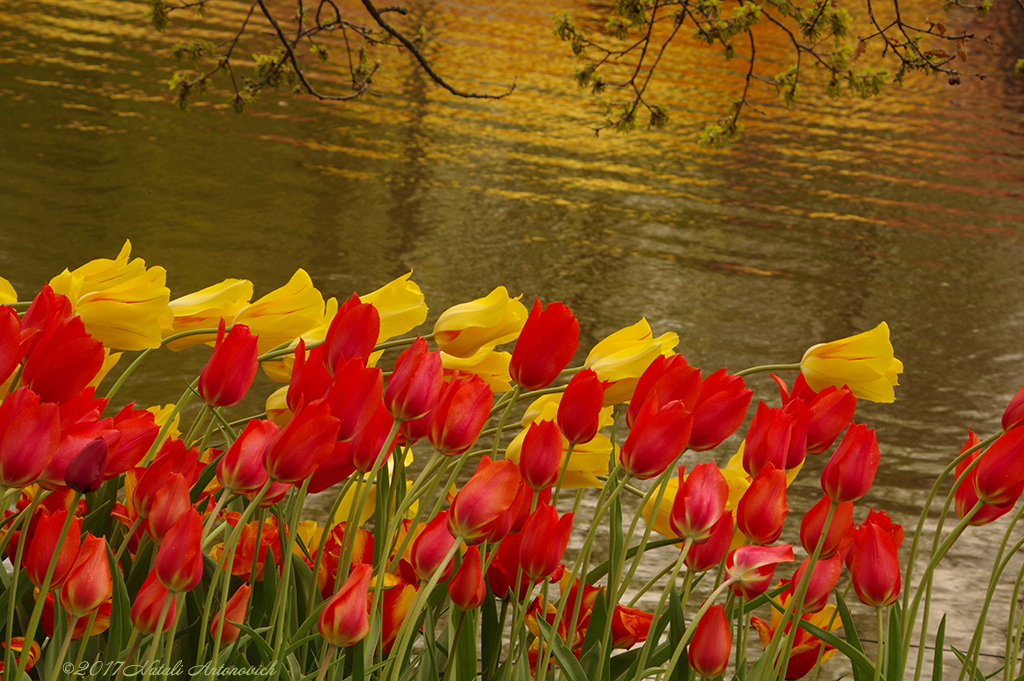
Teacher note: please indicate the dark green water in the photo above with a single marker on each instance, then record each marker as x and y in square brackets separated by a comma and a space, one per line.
[822, 221]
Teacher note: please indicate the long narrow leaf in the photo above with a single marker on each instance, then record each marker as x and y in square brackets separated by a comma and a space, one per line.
[566, 660]
[894, 645]
[861, 664]
[972, 669]
[940, 646]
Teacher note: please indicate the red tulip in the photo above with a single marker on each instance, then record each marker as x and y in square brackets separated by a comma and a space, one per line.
[629, 626]
[11, 349]
[703, 557]
[332, 470]
[814, 520]
[823, 579]
[365, 449]
[344, 621]
[241, 468]
[762, 509]
[579, 410]
[234, 611]
[63, 361]
[44, 547]
[548, 341]
[699, 503]
[657, 438]
[309, 380]
[485, 500]
[149, 603]
[85, 408]
[173, 457]
[231, 368]
[88, 583]
[543, 541]
[1013, 415]
[720, 410]
[1001, 471]
[415, 385]
[86, 470]
[431, 547]
[354, 396]
[29, 434]
[353, 333]
[138, 431]
[72, 442]
[306, 440]
[831, 411]
[965, 498]
[751, 568]
[851, 470]
[467, 589]
[169, 503]
[666, 379]
[459, 417]
[179, 560]
[875, 566]
[711, 644]
[776, 436]
[541, 455]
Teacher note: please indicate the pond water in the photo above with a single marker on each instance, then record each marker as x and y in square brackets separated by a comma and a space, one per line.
[822, 221]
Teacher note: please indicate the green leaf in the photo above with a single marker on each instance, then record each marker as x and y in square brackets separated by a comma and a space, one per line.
[490, 634]
[596, 627]
[566, 660]
[120, 614]
[428, 667]
[975, 674]
[895, 664]
[678, 626]
[940, 648]
[465, 649]
[265, 651]
[849, 628]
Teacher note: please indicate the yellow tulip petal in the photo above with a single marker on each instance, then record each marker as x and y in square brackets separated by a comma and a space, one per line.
[489, 365]
[400, 305]
[7, 293]
[285, 313]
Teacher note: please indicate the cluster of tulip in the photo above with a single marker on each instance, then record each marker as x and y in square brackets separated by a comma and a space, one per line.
[161, 548]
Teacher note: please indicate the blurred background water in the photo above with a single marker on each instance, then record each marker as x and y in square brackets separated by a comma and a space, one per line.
[822, 221]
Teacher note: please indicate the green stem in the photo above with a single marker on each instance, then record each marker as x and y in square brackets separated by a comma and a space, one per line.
[154, 644]
[880, 658]
[769, 367]
[128, 372]
[504, 417]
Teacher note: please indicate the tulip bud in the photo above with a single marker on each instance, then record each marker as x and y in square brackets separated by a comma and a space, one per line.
[169, 504]
[179, 560]
[88, 583]
[703, 557]
[85, 472]
[229, 372]
[309, 379]
[699, 503]
[720, 410]
[365, 449]
[415, 385]
[44, 547]
[814, 520]
[354, 396]
[875, 566]
[665, 379]
[149, 603]
[484, 500]
[1001, 471]
[353, 333]
[762, 509]
[29, 435]
[459, 417]
[241, 468]
[543, 541]
[234, 611]
[431, 547]
[305, 441]
[344, 621]
[579, 410]
[823, 579]
[965, 498]
[851, 470]
[1013, 415]
[467, 589]
[548, 341]
[541, 455]
[711, 644]
[658, 437]
[11, 349]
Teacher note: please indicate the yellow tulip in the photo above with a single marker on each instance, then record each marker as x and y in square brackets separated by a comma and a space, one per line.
[277, 406]
[588, 460]
[121, 302]
[487, 364]
[864, 363]
[280, 370]
[7, 293]
[160, 416]
[204, 309]
[109, 361]
[464, 330]
[285, 313]
[400, 305]
[621, 358]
